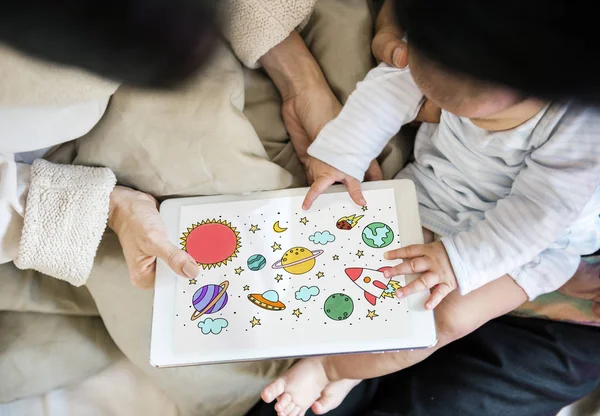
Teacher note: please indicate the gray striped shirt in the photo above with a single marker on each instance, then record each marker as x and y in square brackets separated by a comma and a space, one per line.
[523, 202]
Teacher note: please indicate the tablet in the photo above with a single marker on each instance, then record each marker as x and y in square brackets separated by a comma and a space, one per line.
[277, 281]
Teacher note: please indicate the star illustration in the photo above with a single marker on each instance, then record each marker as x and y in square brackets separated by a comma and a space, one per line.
[192, 281]
[276, 247]
[297, 312]
[320, 274]
[304, 221]
[371, 314]
[365, 208]
[279, 278]
[359, 254]
[255, 321]
[254, 228]
[239, 271]
[246, 287]
[336, 257]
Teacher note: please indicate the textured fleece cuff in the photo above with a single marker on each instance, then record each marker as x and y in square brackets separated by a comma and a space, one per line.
[65, 217]
[256, 26]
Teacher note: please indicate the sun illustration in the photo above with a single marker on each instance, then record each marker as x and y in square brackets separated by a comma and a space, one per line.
[212, 243]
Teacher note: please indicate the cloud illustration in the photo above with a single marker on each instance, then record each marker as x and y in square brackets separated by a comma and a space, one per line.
[213, 326]
[322, 237]
[305, 293]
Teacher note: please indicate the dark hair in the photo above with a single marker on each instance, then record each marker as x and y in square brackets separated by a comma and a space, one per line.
[547, 49]
[143, 42]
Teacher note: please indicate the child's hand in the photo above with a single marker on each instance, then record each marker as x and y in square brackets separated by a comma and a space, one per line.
[429, 259]
[324, 176]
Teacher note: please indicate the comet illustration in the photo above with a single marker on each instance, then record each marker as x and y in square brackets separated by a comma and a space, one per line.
[349, 222]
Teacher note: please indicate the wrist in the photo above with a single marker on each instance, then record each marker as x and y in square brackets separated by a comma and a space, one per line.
[122, 202]
[292, 67]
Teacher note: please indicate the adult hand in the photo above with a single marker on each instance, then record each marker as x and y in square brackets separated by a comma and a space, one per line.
[308, 102]
[134, 217]
[305, 115]
[326, 175]
[388, 47]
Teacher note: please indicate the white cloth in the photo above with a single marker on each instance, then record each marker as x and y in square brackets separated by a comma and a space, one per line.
[524, 202]
[51, 216]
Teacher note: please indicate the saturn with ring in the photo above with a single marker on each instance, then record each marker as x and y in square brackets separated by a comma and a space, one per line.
[209, 299]
[298, 260]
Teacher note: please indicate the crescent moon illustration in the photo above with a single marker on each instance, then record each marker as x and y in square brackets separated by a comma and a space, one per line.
[277, 228]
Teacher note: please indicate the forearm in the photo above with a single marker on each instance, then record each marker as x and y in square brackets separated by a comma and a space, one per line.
[387, 99]
[292, 67]
[456, 317]
[257, 26]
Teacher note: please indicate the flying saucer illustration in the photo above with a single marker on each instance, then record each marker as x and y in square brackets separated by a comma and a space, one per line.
[297, 260]
[269, 300]
[209, 299]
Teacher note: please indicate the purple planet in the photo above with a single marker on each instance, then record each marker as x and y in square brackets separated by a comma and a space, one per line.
[209, 299]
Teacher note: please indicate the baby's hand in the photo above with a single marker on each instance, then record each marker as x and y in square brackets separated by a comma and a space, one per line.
[429, 259]
[324, 176]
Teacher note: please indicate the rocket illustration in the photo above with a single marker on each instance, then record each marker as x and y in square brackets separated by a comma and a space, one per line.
[349, 222]
[373, 282]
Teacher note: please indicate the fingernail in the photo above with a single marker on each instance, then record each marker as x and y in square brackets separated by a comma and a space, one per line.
[397, 56]
[428, 306]
[190, 269]
[363, 202]
[386, 274]
[399, 294]
[387, 256]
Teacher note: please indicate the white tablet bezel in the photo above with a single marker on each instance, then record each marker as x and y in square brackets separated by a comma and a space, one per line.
[161, 350]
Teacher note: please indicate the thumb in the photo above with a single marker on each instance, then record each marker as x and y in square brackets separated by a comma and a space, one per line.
[388, 47]
[178, 260]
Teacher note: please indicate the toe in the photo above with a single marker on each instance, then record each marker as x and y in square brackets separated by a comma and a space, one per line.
[289, 409]
[318, 408]
[297, 411]
[325, 404]
[283, 402]
[273, 390]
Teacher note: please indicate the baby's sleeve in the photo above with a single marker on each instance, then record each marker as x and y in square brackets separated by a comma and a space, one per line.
[387, 99]
[560, 180]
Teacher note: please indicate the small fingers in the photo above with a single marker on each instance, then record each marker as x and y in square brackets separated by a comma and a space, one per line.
[416, 265]
[407, 252]
[437, 295]
[424, 282]
[355, 192]
[319, 186]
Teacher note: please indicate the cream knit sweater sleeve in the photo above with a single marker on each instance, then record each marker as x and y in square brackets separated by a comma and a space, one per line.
[255, 26]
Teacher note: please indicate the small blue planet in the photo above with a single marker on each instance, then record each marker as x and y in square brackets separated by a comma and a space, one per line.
[256, 262]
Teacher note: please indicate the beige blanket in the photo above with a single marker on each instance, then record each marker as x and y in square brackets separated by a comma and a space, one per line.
[221, 133]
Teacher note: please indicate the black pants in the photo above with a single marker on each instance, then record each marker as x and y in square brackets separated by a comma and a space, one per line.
[509, 367]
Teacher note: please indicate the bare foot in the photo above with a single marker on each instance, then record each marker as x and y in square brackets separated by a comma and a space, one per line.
[333, 395]
[306, 384]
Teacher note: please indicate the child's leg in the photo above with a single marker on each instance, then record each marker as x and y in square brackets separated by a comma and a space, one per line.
[456, 317]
